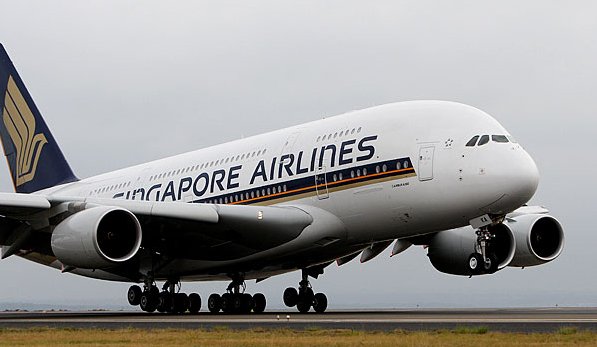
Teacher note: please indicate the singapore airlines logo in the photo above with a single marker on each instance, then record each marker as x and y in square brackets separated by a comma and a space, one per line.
[20, 124]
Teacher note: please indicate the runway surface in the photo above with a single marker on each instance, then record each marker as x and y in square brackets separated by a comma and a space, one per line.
[510, 320]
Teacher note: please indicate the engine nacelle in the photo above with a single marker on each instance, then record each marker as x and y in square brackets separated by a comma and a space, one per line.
[449, 250]
[539, 239]
[96, 238]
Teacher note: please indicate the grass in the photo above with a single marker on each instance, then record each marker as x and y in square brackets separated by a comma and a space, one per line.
[283, 337]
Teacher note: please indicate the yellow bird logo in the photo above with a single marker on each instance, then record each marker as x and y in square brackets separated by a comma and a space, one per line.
[20, 123]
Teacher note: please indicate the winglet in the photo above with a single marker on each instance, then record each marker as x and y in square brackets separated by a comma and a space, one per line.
[35, 160]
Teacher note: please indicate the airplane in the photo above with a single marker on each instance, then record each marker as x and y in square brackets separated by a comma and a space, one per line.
[438, 174]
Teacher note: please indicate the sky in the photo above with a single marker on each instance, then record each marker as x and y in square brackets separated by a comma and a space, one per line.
[124, 82]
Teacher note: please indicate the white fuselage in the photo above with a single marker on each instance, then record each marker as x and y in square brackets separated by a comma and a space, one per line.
[388, 172]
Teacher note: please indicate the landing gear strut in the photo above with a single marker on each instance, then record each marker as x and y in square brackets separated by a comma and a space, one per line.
[235, 300]
[304, 298]
[484, 260]
[170, 300]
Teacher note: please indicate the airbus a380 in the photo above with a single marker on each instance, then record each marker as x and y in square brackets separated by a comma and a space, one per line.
[439, 174]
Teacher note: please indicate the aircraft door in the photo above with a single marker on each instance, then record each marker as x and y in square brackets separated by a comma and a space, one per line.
[321, 184]
[426, 163]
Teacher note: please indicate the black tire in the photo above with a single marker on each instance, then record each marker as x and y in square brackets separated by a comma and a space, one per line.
[260, 302]
[320, 302]
[214, 303]
[180, 303]
[194, 303]
[246, 303]
[307, 293]
[149, 302]
[475, 263]
[226, 302]
[164, 302]
[303, 306]
[134, 295]
[290, 297]
[490, 265]
[237, 303]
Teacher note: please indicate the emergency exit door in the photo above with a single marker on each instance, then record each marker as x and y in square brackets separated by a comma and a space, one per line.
[321, 184]
[426, 163]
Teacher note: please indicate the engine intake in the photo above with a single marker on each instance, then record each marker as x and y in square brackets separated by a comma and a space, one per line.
[97, 238]
[539, 239]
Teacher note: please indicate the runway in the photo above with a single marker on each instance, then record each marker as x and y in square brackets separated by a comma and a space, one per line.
[526, 320]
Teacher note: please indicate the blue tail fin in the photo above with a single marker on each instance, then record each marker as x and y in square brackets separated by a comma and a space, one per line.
[34, 158]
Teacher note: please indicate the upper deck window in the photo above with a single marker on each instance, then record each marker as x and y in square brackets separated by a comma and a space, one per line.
[472, 142]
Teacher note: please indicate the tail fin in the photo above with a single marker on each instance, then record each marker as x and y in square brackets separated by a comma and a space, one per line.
[34, 158]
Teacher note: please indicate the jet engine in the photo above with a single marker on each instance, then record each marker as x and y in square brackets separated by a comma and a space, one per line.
[96, 238]
[449, 250]
[539, 239]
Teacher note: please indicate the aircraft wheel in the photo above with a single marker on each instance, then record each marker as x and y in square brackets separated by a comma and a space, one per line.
[490, 264]
[475, 263]
[180, 303]
[320, 302]
[194, 303]
[303, 306]
[259, 300]
[291, 297]
[226, 303]
[236, 301]
[134, 295]
[164, 302]
[246, 303]
[149, 301]
[214, 303]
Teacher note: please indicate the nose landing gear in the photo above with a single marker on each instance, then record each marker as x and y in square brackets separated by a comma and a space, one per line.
[484, 260]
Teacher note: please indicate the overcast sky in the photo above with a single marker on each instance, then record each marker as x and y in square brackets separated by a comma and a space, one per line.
[123, 82]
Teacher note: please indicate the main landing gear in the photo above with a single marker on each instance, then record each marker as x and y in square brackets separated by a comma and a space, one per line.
[484, 260]
[235, 300]
[304, 298]
[169, 300]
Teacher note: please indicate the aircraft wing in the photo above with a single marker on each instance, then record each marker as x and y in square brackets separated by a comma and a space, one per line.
[170, 229]
[15, 204]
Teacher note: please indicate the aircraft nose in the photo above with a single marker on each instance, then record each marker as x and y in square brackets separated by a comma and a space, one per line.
[525, 179]
[514, 181]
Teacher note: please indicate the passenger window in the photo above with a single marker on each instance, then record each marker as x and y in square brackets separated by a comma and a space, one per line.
[484, 139]
[472, 142]
[499, 138]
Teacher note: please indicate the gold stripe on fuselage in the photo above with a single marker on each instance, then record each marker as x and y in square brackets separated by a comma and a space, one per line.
[332, 187]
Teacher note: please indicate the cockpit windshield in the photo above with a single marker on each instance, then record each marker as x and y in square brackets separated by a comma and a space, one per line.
[499, 138]
[484, 139]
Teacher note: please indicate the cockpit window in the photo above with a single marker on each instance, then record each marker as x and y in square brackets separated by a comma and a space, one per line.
[484, 139]
[499, 138]
[511, 138]
[472, 142]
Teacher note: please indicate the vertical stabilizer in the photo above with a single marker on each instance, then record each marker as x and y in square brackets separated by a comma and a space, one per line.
[33, 156]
